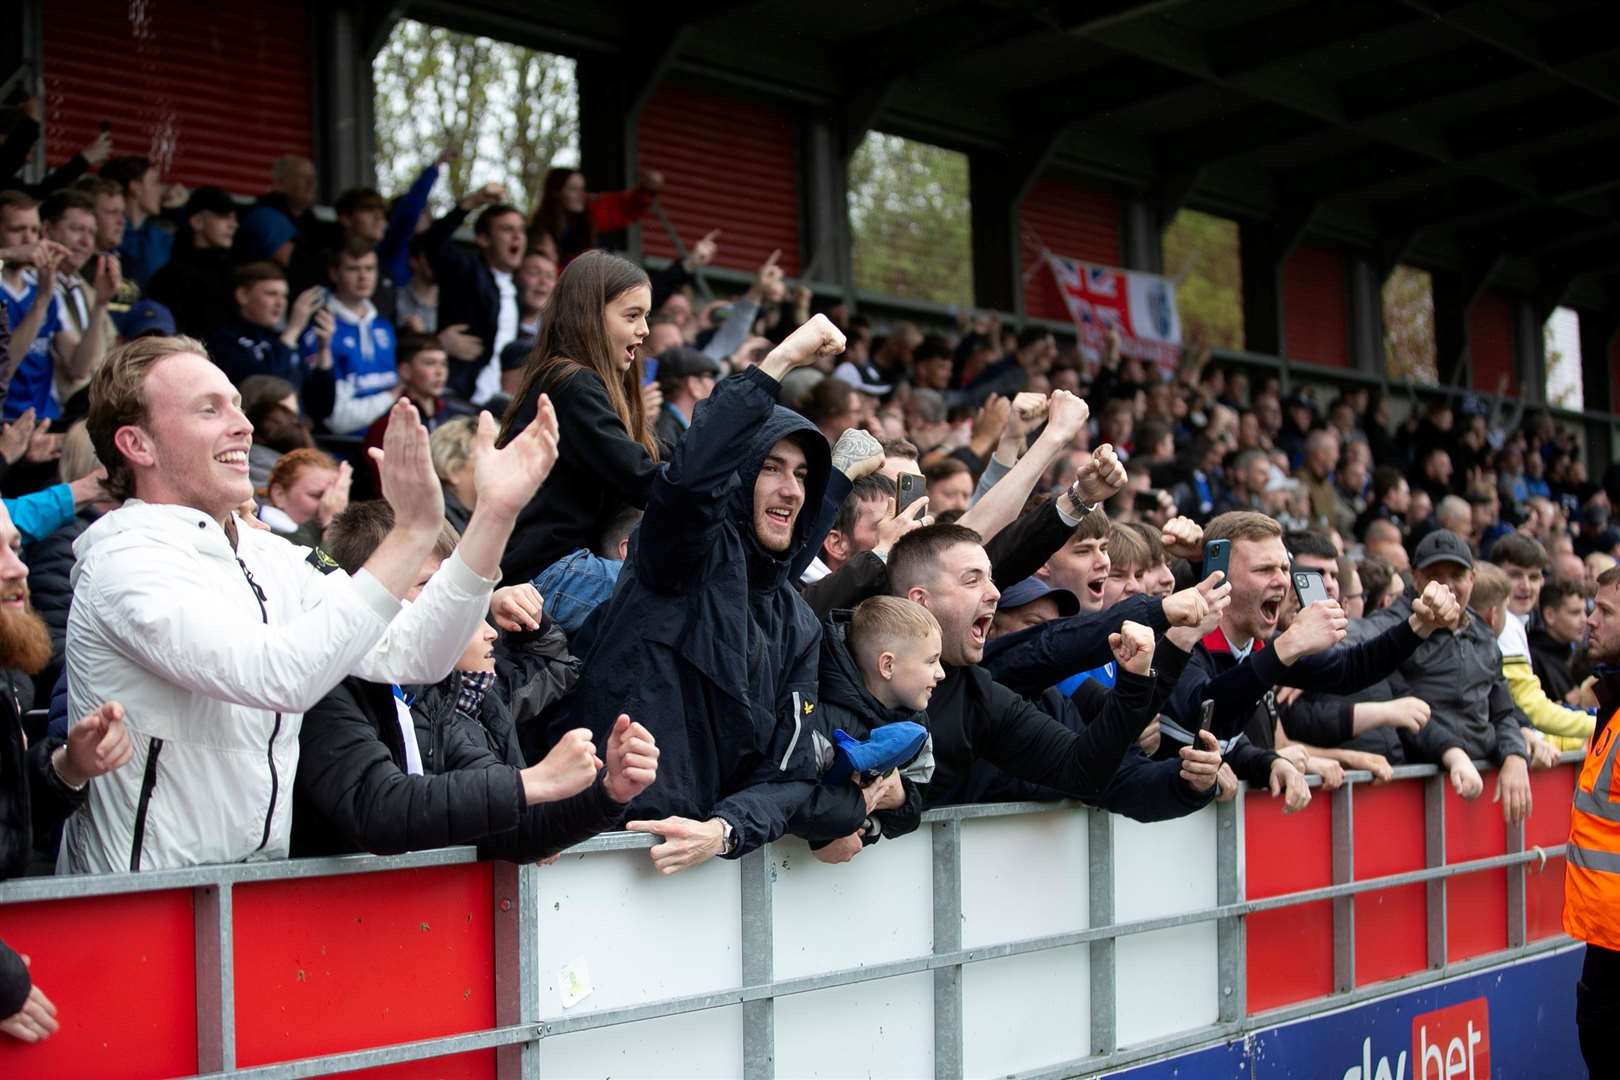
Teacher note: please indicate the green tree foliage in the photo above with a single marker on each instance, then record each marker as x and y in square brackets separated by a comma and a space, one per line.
[1409, 347]
[908, 214]
[1201, 257]
[509, 112]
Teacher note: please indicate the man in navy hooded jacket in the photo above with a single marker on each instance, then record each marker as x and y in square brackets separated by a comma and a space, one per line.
[705, 640]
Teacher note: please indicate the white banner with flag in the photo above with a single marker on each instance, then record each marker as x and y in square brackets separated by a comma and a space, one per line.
[1142, 307]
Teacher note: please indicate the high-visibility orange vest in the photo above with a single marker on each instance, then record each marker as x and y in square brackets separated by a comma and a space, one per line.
[1592, 865]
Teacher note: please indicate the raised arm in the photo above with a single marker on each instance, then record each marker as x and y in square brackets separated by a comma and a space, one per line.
[687, 500]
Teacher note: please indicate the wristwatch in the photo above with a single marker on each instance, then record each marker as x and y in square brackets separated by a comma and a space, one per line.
[728, 837]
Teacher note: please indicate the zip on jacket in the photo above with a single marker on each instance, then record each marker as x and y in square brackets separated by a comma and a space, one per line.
[275, 730]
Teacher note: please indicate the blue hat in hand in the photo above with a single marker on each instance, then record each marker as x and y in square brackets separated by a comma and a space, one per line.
[888, 747]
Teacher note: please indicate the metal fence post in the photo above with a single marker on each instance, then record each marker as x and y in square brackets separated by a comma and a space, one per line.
[758, 963]
[1344, 907]
[216, 978]
[947, 938]
[517, 963]
[1434, 854]
[1100, 836]
[1229, 890]
[1516, 928]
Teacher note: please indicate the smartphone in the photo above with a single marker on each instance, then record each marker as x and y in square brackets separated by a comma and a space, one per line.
[1206, 716]
[649, 370]
[908, 488]
[1218, 556]
[1308, 584]
[106, 126]
[1147, 501]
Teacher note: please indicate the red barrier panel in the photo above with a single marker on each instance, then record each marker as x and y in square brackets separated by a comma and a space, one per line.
[325, 965]
[1476, 904]
[1548, 828]
[1391, 924]
[1290, 950]
[122, 972]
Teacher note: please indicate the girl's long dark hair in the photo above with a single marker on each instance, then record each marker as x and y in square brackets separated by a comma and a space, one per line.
[572, 337]
[570, 229]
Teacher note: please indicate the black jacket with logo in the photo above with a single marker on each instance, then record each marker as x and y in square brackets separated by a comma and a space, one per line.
[705, 641]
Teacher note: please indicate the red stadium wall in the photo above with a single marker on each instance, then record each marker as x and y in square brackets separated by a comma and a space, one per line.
[213, 92]
[750, 192]
[1316, 307]
[1492, 342]
[1076, 222]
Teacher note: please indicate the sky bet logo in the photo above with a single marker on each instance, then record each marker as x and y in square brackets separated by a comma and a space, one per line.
[1453, 1043]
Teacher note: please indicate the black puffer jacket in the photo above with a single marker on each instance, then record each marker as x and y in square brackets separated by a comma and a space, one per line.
[705, 641]
[352, 791]
[836, 810]
[32, 800]
[533, 671]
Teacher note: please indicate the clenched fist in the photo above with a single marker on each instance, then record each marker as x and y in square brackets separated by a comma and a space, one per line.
[567, 770]
[816, 340]
[1102, 477]
[1436, 609]
[1133, 647]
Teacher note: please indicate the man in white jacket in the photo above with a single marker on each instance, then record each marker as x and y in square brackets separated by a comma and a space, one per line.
[216, 639]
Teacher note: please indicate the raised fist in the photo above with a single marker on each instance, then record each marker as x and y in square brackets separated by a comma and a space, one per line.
[857, 453]
[1436, 609]
[815, 340]
[1102, 477]
[1133, 647]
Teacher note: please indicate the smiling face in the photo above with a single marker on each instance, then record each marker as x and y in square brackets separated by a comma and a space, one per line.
[624, 321]
[76, 231]
[1123, 581]
[912, 671]
[1526, 582]
[1081, 566]
[192, 448]
[779, 495]
[963, 600]
[1259, 574]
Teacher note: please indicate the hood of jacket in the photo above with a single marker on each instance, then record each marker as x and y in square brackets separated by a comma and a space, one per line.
[144, 522]
[841, 683]
[767, 569]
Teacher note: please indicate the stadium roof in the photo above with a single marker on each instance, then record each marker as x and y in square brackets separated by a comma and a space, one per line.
[1482, 137]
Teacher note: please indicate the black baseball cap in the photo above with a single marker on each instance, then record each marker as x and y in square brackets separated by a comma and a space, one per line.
[678, 361]
[212, 200]
[1440, 546]
[1032, 589]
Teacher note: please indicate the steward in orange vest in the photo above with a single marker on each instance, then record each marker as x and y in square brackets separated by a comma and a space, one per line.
[1592, 863]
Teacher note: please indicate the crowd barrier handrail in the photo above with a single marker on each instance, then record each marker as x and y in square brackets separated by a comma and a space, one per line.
[522, 1029]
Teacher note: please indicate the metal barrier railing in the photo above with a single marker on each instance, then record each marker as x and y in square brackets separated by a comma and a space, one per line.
[522, 1029]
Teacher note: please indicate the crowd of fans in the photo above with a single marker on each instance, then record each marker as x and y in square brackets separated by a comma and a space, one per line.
[329, 534]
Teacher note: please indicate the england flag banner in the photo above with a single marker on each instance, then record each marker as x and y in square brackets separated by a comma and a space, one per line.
[1142, 307]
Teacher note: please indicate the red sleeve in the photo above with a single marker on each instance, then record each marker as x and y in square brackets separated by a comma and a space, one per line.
[613, 210]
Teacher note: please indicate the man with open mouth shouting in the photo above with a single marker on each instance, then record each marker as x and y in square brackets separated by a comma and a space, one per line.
[1242, 659]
